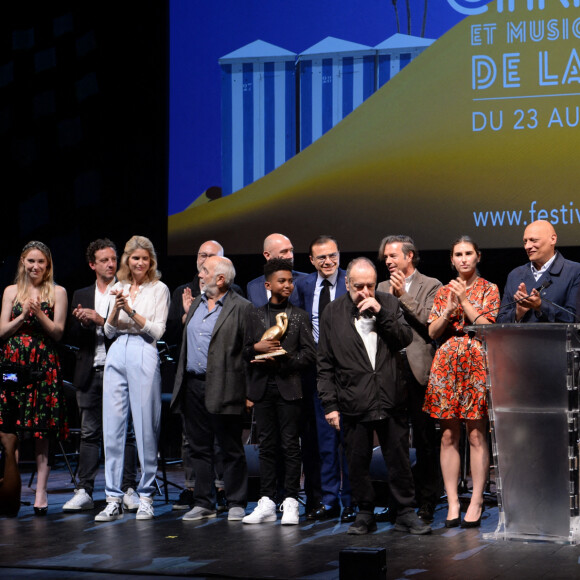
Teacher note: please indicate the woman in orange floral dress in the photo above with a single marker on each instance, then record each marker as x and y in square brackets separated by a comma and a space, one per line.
[456, 390]
[31, 322]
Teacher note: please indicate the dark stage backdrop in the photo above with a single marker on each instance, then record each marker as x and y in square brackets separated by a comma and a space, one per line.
[82, 127]
[84, 141]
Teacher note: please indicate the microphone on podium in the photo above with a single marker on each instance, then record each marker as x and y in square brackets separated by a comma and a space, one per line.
[539, 289]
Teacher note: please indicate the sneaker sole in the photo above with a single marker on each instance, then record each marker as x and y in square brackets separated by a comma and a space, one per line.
[77, 509]
[109, 519]
[198, 518]
[261, 521]
[359, 532]
[421, 532]
[147, 517]
[292, 523]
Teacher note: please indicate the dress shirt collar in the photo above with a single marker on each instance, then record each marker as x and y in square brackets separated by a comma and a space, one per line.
[219, 301]
[409, 280]
[538, 273]
[332, 279]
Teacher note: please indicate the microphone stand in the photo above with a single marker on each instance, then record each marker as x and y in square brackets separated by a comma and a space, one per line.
[545, 285]
[566, 310]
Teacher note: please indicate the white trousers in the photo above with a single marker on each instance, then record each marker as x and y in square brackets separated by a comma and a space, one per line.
[131, 383]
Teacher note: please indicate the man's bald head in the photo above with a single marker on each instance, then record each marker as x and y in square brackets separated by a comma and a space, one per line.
[540, 242]
[278, 246]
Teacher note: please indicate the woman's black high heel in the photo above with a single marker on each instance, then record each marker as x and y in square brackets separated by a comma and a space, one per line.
[467, 524]
[455, 522]
[41, 511]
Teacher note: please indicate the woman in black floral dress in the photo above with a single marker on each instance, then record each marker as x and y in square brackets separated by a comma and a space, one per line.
[31, 322]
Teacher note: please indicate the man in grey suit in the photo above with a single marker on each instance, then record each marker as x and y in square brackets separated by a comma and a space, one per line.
[210, 388]
[416, 293]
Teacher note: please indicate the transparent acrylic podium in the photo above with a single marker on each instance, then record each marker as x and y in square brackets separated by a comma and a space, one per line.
[533, 409]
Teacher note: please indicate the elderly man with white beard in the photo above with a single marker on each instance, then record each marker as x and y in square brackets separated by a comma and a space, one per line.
[210, 388]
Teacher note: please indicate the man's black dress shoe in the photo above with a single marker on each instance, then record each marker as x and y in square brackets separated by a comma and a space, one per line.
[387, 515]
[468, 524]
[323, 513]
[410, 522]
[426, 511]
[348, 515]
[362, 526]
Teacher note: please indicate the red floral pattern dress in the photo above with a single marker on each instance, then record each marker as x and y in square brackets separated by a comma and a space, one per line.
[456, 388]
[37, 407]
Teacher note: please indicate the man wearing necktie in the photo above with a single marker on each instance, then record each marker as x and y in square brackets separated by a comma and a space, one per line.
[315, 292]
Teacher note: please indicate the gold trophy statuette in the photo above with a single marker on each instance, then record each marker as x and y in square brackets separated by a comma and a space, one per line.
[276, 332]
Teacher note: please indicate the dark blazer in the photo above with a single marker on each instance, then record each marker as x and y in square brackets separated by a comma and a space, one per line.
[565, 281]
[83, 338]
[347, 381]
[285, 369]
[225, 392]
[416, 305]
[257, 292]
[306, 285]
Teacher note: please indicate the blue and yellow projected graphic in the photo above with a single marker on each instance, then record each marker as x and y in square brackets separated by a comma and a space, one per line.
[463, 120]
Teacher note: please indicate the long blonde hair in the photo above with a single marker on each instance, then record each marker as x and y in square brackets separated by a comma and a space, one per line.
[138, 243]
[22, 281]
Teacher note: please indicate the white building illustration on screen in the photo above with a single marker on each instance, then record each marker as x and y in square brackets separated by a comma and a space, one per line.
[264, 86]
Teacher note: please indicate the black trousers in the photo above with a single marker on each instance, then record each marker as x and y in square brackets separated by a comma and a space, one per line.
[309, 445]
[426, 440]
[201, 428]
[393, 435]
[278, 420]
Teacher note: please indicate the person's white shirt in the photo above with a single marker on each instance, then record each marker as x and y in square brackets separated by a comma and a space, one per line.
[151, 302]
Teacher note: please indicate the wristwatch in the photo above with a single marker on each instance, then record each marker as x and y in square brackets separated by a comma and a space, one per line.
[132, 314]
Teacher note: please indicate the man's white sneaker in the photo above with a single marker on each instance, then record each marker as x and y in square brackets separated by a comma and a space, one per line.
[145, 511]
[131, 500]
[265, 511]
[113, 511]
[289, 509]
[81, 500]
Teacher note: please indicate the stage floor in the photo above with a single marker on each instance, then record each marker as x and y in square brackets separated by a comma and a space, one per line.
[67, 546]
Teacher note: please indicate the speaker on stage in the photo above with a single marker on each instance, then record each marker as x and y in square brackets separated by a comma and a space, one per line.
[367, 563]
